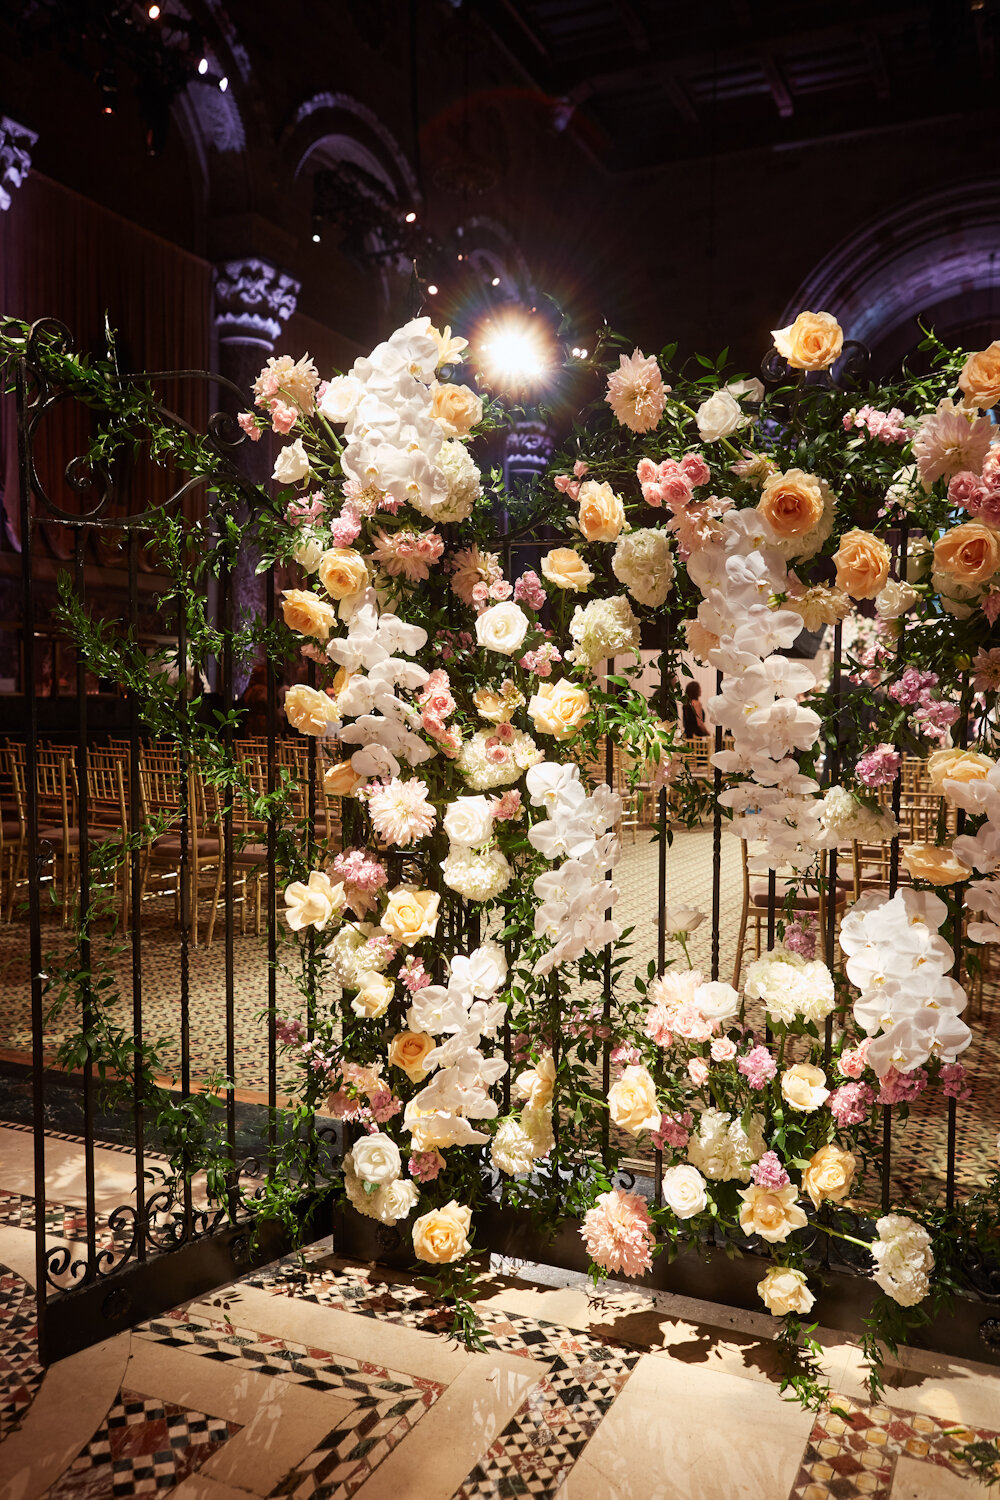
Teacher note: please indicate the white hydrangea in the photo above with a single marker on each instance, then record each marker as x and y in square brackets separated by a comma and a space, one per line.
[512, 1149]
[846, 820]
[350, 957]
[644, 563]
[476, 876]
[487, 761]
[721, 1149]
[603, 628]
[538, 1125]
[388, 1204]
[903, 1259]
[464, 485]
[791, 986]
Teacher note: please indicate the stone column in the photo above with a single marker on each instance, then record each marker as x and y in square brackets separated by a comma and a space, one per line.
[16, 142]
[527, 450]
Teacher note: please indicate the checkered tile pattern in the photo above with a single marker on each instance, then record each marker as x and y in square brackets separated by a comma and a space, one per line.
[20, 1371]
[142, 1446]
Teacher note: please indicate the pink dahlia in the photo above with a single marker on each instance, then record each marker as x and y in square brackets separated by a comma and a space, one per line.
[986, 670]
[636, 393]
[948, 442]
[618, 1233]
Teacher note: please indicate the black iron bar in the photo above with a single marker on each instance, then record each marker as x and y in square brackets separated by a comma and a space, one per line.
[831, 778]
[226, 579]
[716, 843]
[135, 817]
[184, 877]
[272, 849]
[609, 776]
[83, 912]
[897, 788]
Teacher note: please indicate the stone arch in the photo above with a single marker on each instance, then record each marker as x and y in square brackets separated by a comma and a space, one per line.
[490, 246]
[336, 127]
[934, 257]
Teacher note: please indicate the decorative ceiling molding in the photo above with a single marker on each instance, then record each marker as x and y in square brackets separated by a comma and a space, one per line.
[253, 301]
[16, 144]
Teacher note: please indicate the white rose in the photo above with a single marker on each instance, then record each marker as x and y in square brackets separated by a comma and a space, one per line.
[716, 1001]
[292, 463]
[502, 628]
[469, 821]
[684, 1191]
[718, 416]
[376, 1159]
[314, 904]
[396, 1200]
[308, 553]
[894, 599]
[785, 1291]
[341, 397]
[681, 920]
[752, 390]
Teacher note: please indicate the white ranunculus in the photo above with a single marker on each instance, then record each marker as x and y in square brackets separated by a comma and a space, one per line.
[376, 1159]
[309, 551]
[684, 1191]
[717, 417]
[341, 397]
[502, 628]
[469, 821]
[292, 463]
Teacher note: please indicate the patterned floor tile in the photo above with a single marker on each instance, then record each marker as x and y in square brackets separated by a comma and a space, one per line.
[20, 1370]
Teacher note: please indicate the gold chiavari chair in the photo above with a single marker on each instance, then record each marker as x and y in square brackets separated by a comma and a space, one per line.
[107, 816]
[809, 900]
[55, 780]
[160, 781]
[13, 824]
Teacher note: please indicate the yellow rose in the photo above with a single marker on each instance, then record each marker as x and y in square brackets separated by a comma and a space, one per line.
[407, 1051]
[862, 564]
[956, 765]
[602, 514]
[411, 914]
[935, 865]
[374, 996]
[813, 342]
[567, 570]
[785, 1291]
[343, 572]
[559, 708]
[803, 1087]
[970, 553]
[442, 1235]
[632, 1101]
[308, 709]
[792, 502]
[535, 1085]
[979, 381]
[340, 780]
[308, 613]
[771, 1213]
[455, 408]
[829, 1174]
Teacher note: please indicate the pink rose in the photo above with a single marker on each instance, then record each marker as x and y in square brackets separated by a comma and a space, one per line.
[966, 490]
[677, 490]
[723, 1049]
[580, 468]
[696, 469]
[246, 421]
[283, 417]
[697, 1071]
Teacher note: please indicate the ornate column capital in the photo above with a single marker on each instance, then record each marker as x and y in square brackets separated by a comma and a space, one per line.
[528, 447]
[253, 301]
[16, 142]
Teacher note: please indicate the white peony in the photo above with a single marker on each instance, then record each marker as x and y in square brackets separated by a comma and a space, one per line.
[684, 1191]
[469, 821]
[291, 464]
[604, 628]
[903, 1259]
[717, 417]
[722, 1149]
[644, 563]
[716, 1000]
[463, 486]
[791, 986]
[476, 877]
[512, 1148]
[376, 1159]
[502, 628]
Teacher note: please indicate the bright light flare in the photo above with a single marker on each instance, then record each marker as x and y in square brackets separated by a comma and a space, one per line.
[515, 351]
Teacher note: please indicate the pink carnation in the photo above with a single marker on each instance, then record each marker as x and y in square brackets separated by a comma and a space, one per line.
[769, 1173]
[618, 1233]
[507, 807]
[850, 1104]
[528, 590]
[696, 469]
[674, 1131]
[758, 1067]
[623, 1056]
[249, 426]
[424, 1166]
[878, 767]
[853, 1063]
[953, 1076]
[901, 1088]
[346, 528]
[413, 974]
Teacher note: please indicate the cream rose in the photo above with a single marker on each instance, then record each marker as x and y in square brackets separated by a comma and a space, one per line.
[407, 1051]
[376, 1159]
[632, 1101]
[956, 765]
[442, 1236]
[894, 599]
[792, 502]
[862, 563]
[935, 865]
[469, 821]
[308, 553]
[771, 1213]
[684, 1191]
[829, 1174]
[602, 514]
[343, 572]
[803, 1087]
[979, 381]
[313, 904]
[717, 417]
[411, 914]
[340, 780]
[308, 709]
[813, 342]
[308, 613]
[374, 997]
[785, 1291]
[969, 553]
[567, 570]
[292, 463]
[559, 708]
[456, 409]
[535, 1085]
[502, 628]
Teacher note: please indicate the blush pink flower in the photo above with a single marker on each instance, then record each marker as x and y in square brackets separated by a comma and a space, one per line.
[901, 1088]
[658, 1025]
[424, 1166]
[769, 1174]
[304, 512]
[953, 1081]
[800, 937]
[528, 590]
[986, 667]
[878, 767]
[851, 1103]
[853, 1062]
[636, 393]
[674, 1131]
[697, 1071]
[508, 806]
[758, 1067]
[283, 417]
[991, 606]
[413, 975]
[696, 469]
[723, 1049]
[966, 491]
[401, 812]
[435, 695]
[407, 554]
[618, 1233]
[689, 1023]
[249, 426]
[346, 528]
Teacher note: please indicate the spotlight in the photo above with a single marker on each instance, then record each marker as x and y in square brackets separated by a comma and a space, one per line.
[203, 66]
[515, 351]
[315, 236]
[223, 84]
[495, 281]
[432, 290]
[461, 256]
[154, 12]
[411, 217]
[583, 353]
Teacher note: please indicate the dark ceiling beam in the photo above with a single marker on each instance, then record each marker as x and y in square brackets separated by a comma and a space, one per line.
[778, 84]
[634, 25]
[681, 99]
[876, 61]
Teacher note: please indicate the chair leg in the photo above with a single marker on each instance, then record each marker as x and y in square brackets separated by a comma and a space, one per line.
[215, 904]
[739, 949]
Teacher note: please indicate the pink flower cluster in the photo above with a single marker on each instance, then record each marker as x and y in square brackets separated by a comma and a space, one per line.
[953, 1076]
[362, 875]
[800, 937]
[452, 643]
[568, 484]
[674, 1131]
[878, 767]
[618, 1233]
[407, 554]
[979, 494]
[671, 483]
[290, 1032]
[874, 658]
[854, 1061]
[382, 1106]
[768, 1173]
[850, 1104]
[424, 1166]
[986, 668]
[885, 426]
[528, 590]
[366, 499]
[346, 528]
[758, 1067]
[413, 975]
[934, 716]
[507, 807]
[901, 1088]
[913, 687]
[248, 422]
[624, 1055]
[484, 593]
[541, 660]
[436, 705]
[305, 511]
[382, 947]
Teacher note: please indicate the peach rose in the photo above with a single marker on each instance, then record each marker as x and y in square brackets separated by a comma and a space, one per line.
[536, 1084]
[829, 1174]
[343, 572]
[803, 1087]
[442, 1235]
[374, 996]
[308, 613]
[792, 502]
[862, 564]
[308, 709]
[813, 342]
[771, 1213]
[340, 780]
[407, 1051]
[970, 553]
[411, 914]
[559, 708]
[935, 865]
[956, 765]
[979, 381]
[602, 514]
[632, 1101]
[785, 1291]
[456, 409]
[567, 570]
